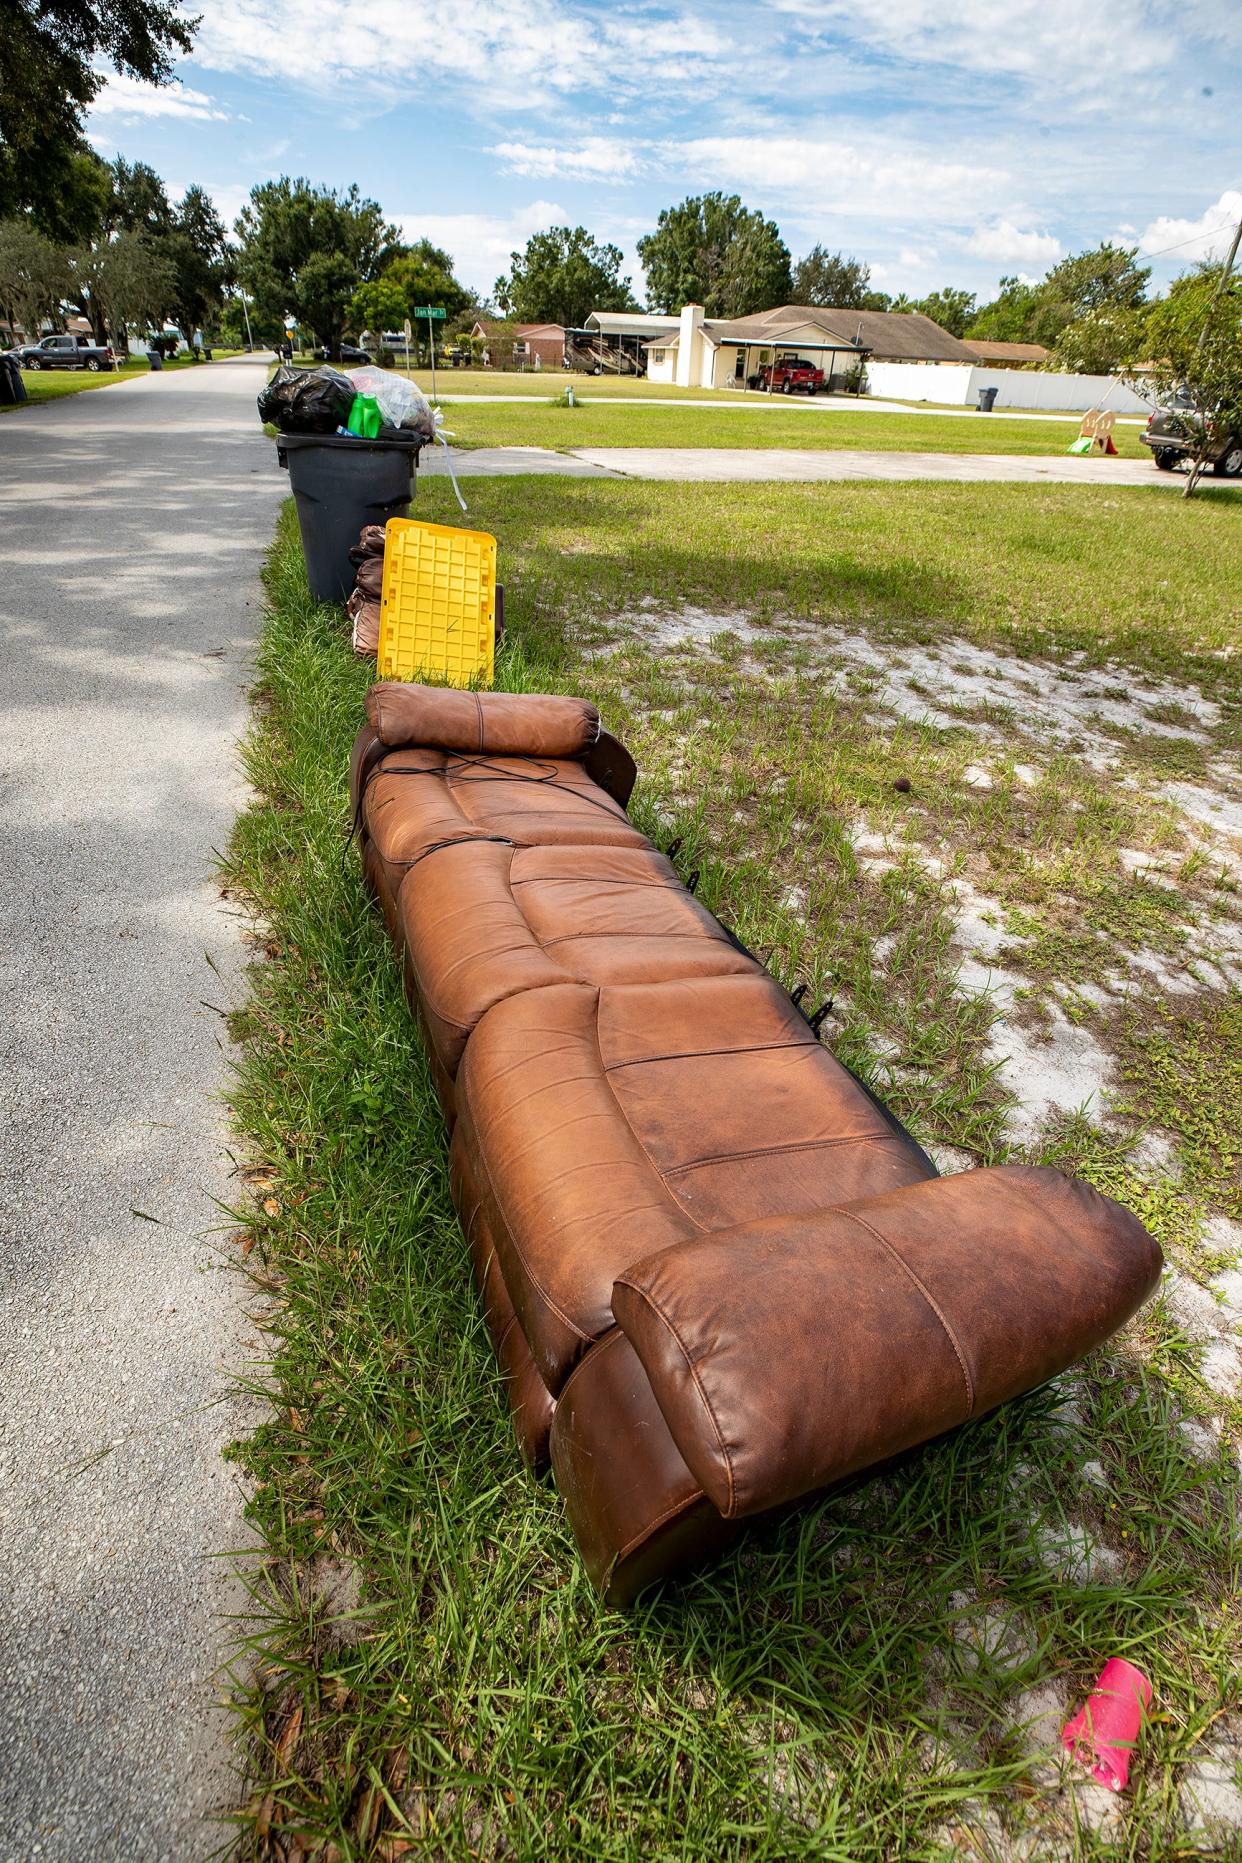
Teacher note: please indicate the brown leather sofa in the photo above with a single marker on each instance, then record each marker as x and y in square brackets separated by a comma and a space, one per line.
[718, 1275]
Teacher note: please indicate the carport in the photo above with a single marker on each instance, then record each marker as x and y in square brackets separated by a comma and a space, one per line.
[754, 354]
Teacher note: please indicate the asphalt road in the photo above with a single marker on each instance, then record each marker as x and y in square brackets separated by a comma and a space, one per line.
[132, 525]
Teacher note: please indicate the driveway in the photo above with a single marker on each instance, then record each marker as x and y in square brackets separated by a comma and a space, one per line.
[134, 520]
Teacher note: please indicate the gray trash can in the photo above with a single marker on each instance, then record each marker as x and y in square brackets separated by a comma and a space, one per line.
[341, 485]
[987, 399]
[12, 387]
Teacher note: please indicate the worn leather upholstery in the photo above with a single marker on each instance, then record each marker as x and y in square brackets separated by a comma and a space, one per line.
[718, 1276]
[492, 920]
[498, 724]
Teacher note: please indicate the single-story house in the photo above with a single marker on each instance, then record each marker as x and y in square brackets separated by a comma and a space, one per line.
[1006, 355]
[713, 352]
[540, 345]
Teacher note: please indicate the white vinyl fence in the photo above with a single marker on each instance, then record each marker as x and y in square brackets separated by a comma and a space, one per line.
[957, 385]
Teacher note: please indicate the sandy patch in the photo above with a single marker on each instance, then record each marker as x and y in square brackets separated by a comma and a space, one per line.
[1062, 703]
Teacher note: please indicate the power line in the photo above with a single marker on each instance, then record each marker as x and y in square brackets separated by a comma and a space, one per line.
[1224, 227]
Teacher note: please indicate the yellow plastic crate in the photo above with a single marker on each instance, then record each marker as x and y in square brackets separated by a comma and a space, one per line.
[438, 605]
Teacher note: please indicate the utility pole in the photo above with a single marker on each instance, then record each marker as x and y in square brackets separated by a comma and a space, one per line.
[1225, 275]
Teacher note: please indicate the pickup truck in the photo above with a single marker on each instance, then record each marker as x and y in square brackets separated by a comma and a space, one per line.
[789, 373]
[64, 352]
[1173, 431]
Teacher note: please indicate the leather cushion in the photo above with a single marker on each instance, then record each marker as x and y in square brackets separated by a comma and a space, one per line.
[505, 724]
[417, 801]
[914, 1310]
[482, 922]
[605, 1124]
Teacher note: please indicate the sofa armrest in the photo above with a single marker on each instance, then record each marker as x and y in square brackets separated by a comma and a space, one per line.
[789, 1353]
[368, 750]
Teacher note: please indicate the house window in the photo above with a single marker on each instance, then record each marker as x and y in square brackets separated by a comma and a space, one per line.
[657, 355]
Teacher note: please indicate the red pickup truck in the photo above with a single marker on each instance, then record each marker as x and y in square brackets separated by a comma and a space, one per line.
[790, 373]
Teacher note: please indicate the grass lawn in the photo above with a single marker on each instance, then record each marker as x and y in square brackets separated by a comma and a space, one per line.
[546, 384]
[761, 425]
[1041, 916]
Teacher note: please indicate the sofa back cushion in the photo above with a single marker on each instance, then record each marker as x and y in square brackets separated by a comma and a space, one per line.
[498, 724]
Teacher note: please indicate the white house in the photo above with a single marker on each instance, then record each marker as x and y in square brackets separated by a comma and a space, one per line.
[712, 352]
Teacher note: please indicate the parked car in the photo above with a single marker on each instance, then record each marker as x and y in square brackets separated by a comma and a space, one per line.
[1173, 431]
[790, 374]
[65, 352]
[350, 353]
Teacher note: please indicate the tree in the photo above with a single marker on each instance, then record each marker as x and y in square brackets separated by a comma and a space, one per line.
[376, 306]
[54, 56]
[1100, 341]
[834, 282]
[138, 201]
[1193, 343]
[950, 308]
[200, 248]
[1107, 275]
[73, 208]
[124, 280]
[305, 250]
[424, 276]
[687, 258]
[34, 277]
[1010, 315]
[563, 275]
[755, 275]
[197, 245]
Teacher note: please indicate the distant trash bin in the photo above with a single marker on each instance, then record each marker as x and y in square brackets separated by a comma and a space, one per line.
[12, 387]
[155, 359]
[987, 399]
[340, 486]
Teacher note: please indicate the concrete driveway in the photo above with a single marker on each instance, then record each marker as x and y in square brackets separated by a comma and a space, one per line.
[134, 518]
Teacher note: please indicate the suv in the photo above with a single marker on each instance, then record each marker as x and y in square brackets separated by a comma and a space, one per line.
[65, 352]
[349, 353]
[1171, 432]
[789, 373]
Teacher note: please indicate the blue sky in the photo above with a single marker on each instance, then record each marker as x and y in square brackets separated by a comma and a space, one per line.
[944, 141]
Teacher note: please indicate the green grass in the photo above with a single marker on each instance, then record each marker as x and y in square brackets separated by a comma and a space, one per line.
[589, 424]
[548, 383]
[434, 1676]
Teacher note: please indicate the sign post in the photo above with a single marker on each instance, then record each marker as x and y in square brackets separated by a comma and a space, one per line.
[434, 313]
[407, 331]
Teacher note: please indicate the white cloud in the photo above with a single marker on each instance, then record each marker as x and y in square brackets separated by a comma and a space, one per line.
[480, 243]
[1062, 44]
[1204, 238]
[511, 55]
[596, 158]
[1005, 244]
[880, 180]
[124, 96]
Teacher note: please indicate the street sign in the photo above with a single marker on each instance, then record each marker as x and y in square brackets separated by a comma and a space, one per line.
[431, 310]
[407, 329]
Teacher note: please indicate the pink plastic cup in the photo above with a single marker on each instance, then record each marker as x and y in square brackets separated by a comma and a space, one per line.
[1102, 1735]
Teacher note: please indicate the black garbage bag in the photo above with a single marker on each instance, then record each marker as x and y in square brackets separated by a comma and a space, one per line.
[307, 400]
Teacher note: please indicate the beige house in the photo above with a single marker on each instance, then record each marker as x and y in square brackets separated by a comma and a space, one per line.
[710, 352]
